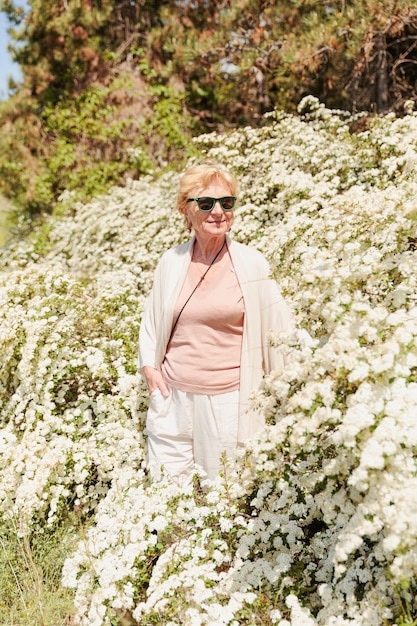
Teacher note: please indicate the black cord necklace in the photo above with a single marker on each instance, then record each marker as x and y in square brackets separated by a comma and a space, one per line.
[193, 291]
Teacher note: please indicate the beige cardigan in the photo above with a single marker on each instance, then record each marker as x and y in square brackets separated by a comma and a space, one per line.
[265, 309]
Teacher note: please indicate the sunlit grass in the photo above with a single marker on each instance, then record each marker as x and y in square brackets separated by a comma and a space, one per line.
[30, 571]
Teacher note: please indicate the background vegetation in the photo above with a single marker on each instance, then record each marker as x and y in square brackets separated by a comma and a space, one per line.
[5, 208]
[114, 89]
[314, 523]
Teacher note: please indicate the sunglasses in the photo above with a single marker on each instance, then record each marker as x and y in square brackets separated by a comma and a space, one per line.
[207, 204]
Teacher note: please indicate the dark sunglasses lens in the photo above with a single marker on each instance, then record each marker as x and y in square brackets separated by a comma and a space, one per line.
[205, 204]
[227, 203]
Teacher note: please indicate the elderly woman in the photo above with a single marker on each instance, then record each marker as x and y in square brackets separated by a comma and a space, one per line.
[203, 345]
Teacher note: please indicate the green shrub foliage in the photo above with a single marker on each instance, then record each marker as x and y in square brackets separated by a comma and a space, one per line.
[115, 89]
[314, 522]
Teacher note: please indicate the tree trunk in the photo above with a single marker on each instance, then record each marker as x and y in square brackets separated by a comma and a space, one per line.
[382, 95]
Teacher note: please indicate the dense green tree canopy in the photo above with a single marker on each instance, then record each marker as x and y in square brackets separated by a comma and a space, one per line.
[114, 87]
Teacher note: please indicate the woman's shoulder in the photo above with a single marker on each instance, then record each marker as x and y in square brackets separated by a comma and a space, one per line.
[176, 252]
[249, 256]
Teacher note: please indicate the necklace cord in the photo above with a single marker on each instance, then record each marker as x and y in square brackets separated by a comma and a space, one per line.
[193, 292]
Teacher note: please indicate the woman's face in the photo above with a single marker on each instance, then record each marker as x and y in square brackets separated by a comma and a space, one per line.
[216, 222]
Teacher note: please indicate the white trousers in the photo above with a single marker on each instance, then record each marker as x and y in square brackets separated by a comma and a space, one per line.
[188, 429]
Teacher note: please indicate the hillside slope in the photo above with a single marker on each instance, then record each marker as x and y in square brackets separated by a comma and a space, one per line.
[315, 523]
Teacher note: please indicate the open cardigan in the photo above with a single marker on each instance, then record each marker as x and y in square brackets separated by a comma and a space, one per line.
[265, 310]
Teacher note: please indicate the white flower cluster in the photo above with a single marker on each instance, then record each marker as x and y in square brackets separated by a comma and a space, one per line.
[315, 523]
[69, 401]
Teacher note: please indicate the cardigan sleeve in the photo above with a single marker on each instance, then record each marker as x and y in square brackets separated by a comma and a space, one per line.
[147, 332]
[266, 309]
[276, 316]
[157, 318]
[152, 324]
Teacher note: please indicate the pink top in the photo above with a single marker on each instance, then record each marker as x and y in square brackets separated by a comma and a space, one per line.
[204, 353]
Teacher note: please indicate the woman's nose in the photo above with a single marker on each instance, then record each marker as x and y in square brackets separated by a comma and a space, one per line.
[217, 208]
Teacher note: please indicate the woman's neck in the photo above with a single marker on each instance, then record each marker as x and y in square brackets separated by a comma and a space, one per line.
[205, 251]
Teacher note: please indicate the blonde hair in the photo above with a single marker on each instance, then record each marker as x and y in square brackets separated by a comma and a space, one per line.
[196, 178]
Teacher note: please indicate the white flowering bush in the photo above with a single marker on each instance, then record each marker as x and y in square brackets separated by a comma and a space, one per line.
[315, 522]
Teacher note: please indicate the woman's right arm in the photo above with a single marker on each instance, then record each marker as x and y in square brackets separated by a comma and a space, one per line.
[147, 348]
[148, 337]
